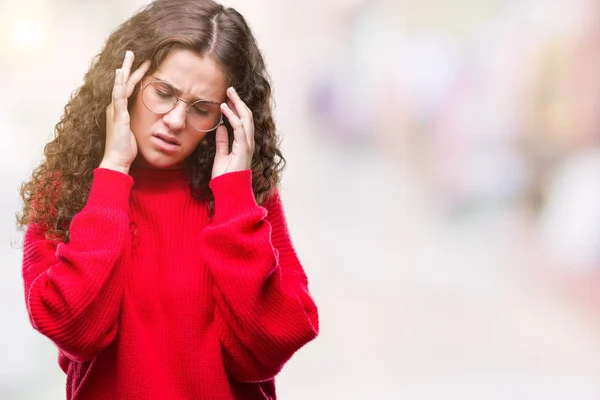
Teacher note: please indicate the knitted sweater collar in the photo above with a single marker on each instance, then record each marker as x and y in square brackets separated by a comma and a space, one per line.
[159, 178]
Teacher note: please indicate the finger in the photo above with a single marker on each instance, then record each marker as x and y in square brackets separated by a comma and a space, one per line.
[127, 63]
[240, 107]
[118, 99]
[137, 76]
[116, 86]
[239, 132]
[244, 114]
[221, 140]
[232, 107]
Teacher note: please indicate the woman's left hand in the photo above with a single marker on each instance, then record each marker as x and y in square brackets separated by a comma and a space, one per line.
[241, 120]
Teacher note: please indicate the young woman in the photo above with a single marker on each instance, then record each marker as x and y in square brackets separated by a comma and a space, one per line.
[156, 255]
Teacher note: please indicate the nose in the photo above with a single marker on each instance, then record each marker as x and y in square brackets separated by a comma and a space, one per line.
[176, 118]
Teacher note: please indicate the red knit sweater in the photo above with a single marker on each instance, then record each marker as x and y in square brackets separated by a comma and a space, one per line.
[151, 299]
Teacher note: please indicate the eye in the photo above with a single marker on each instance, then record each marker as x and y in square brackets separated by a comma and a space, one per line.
[163, 90]
[163, 94]
[200, 108]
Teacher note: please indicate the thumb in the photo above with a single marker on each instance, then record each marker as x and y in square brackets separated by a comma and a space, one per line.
[221, 140]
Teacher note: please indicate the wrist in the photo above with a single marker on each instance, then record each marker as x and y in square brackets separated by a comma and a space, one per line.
[233, 194]
[107, 164]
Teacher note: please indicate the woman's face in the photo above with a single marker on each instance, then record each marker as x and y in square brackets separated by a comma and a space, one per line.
[166, 140]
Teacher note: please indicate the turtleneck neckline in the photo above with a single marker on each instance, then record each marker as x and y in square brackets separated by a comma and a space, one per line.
[159, 178]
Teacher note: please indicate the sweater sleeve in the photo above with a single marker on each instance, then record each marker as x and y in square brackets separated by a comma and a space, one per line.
[263, 304]
[73, 290]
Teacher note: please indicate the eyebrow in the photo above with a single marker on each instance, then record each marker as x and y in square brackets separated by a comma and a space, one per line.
[179, 91]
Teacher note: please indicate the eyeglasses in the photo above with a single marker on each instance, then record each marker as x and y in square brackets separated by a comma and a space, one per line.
[161, 97]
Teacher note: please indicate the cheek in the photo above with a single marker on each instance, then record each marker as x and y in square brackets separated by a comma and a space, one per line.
[141, 120]
[193, 141]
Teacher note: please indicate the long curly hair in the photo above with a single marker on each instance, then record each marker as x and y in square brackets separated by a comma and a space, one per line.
[60, 185]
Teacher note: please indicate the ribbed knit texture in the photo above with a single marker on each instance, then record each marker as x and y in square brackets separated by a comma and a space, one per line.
[151, 299]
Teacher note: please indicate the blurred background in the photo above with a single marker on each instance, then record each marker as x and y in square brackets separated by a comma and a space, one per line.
[442, 188]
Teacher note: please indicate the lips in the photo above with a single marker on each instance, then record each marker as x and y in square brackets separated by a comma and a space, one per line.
[169, 139]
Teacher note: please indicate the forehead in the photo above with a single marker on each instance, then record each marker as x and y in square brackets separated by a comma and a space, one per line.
[193, 75]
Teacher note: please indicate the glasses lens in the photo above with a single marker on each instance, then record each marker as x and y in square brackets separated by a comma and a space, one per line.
[159, 97]
[204, 115]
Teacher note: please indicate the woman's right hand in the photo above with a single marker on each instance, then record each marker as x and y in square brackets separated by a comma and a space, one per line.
[121, 146]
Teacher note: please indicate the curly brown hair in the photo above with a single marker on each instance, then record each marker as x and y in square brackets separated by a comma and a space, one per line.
[60, 185]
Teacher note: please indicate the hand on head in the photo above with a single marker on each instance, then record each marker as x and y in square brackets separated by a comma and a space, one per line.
[121, 147]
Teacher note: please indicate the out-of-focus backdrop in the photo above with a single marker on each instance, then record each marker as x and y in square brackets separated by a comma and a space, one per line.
[442, 189]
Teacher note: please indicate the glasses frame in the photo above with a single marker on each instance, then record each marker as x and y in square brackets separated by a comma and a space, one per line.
[189, 104]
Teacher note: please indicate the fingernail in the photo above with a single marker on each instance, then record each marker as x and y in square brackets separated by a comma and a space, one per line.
[128, 53]
[232, 89]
